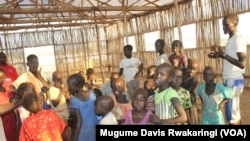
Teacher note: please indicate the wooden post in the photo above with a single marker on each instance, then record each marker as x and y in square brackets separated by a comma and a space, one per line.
[125, 21]
[99, 51]
[178, 20]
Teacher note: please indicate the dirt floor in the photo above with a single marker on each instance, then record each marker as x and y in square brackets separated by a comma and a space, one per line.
[244, 103]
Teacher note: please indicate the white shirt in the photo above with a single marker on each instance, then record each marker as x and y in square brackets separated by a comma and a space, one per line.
[162, 59]
[234, 45]
[130, 67]
[109, 119]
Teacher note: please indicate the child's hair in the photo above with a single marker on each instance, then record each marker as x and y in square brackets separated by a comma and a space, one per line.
[24, 87]
[97, 92]
[209, 68]
[161, 42]
[170, 68]
[78, 80]
[89, 71]
[31, 56]
[139, 91]
[234, 17]
[176, 43]
[32, 102]
[106, 102]
[128, 47]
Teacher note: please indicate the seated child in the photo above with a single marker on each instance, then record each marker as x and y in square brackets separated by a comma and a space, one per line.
[103, 106]
[139, 115]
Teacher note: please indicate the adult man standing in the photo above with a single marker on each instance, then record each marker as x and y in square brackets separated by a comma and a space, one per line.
[131, 68]
[233, 67]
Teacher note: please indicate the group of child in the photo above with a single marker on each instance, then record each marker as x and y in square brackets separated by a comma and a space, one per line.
[167, 98]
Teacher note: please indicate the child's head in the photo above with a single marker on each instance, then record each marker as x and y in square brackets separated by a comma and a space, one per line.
[151, 71]
[149, 84]
[24, 88]
[209, 74]
[163, 75]
[159, 45]
[176, 46]
[32, 63]
[32, 102]
[2, 76]
[177, 79]
[139, 99]
[118, 87]
[194, 66]
[75, 83]
[128, 50]
[103, 105]
[97, 92]
[113, 76]
[90, 73]
[57, 78]
[176, 62]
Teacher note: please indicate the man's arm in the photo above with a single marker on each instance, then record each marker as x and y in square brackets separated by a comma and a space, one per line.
[240, 62]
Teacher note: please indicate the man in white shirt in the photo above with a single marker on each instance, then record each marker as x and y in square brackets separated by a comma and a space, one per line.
[130, 67]
[234, 66]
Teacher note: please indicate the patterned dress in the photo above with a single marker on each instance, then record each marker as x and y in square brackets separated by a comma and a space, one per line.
[211, 112]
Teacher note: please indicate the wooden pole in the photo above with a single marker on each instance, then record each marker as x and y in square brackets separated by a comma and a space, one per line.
[125, 21]
[178, 19]
[99, 51]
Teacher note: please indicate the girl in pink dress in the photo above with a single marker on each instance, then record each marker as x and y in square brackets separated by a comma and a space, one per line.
[139, 115]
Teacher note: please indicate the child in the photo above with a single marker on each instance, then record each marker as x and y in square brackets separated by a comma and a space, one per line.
[183, 93]
[212, 96]
[139, 115]
[122, 104]
[58, 95]
[159, 47]
[166, 98]
[42, 124]
[103, 106]
[190, 82]
[91, 79]
[83, 104]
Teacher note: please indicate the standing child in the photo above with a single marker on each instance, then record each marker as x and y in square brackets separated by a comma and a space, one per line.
[83, 104]
[58, 95]
[139, 115]
[42, 124]
[159, 47]
[184, 94]
[103, 106]
[166, 98]
[212, 96]
[122, 104]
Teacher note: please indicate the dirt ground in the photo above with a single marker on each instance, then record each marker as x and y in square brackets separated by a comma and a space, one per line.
[244, 103]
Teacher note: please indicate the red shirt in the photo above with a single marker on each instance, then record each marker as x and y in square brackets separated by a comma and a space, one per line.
[43, 126]
[11, 72]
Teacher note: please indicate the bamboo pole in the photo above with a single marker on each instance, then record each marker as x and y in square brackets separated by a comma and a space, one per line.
[99, 52]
